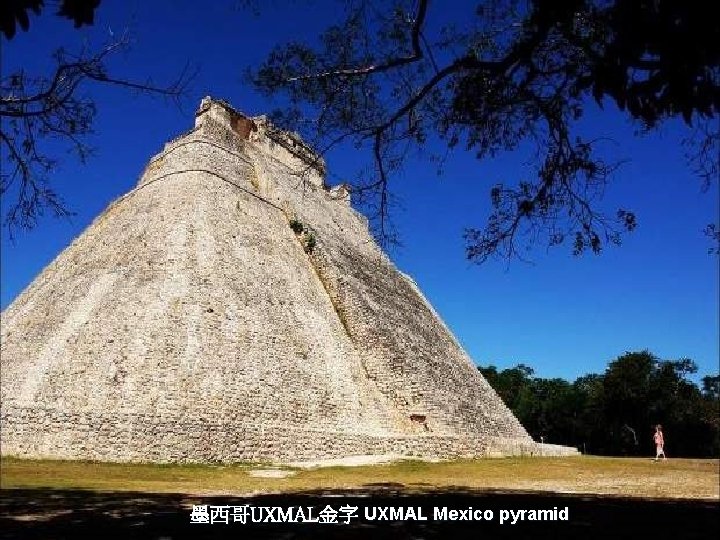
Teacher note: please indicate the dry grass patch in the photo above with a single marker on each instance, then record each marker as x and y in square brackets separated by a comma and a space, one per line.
[637, 477]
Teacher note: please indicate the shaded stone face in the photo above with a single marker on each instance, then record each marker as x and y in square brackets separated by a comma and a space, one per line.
[231, 307]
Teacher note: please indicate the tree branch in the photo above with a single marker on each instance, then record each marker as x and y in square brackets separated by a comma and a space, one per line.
[36, 108]
[416, 55]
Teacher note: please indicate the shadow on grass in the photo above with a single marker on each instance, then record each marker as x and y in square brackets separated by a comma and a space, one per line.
[70, 513]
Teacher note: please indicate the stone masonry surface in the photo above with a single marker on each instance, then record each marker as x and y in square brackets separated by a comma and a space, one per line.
[190, 323]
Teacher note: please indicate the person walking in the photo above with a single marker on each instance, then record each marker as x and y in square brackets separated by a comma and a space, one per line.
[659, 443]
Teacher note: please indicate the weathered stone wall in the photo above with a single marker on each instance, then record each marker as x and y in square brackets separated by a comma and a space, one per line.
[187, 323]
[141, 438]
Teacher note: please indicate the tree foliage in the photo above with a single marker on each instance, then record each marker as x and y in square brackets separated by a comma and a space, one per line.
[512, 73]
[14, 13]
[615, 413]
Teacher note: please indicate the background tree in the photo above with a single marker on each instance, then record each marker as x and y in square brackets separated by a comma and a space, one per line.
[592, 436]
[710, 412]
[511, 384]
[615, 413]
[511, 73]
[711, 387]
[627, 387]
[38, 108]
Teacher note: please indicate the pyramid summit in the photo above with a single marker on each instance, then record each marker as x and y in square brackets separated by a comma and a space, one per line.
[233, 307]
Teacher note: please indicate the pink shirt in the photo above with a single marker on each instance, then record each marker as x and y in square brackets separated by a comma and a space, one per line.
[659, 438]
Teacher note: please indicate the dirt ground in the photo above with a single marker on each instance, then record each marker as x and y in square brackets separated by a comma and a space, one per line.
[601, 498]
[633, 477]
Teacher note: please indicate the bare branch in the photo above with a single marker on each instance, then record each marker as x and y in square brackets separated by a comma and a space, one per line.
[416, 55]
[513, 74]
[36, 108]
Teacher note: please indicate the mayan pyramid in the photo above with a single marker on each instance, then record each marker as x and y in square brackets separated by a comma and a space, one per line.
[232, 307]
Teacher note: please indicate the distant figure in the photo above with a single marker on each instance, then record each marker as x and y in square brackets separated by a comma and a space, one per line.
[659, 443]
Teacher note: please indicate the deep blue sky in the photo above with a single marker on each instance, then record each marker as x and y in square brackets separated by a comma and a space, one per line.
[562, 315]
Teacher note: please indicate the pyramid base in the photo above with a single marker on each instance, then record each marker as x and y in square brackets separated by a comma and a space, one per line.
[45, 433]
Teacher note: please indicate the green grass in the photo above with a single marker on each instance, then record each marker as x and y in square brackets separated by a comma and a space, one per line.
[641, 477]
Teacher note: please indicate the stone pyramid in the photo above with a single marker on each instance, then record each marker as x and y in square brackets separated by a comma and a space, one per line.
[232, 307]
